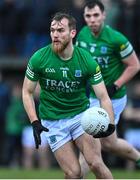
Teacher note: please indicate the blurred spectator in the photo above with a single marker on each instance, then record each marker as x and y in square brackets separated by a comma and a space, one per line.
[13, 17]
[75, 8]
[131, 116]
[4, 103]
[38, 32]
[129, 23]
[112, 10]
[40, 158]
[15, 121]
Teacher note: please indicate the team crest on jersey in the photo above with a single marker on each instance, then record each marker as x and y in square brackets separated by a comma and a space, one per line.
[53, 139]
[78, 73]
[103, 49]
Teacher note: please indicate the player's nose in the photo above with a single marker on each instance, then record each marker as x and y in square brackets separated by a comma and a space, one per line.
[55, 34]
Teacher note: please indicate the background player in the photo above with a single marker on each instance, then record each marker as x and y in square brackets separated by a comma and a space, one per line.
[118, 63]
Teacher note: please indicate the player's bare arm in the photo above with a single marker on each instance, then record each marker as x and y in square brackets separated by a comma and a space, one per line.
[132, 67]
[28, 101]
[102, 95]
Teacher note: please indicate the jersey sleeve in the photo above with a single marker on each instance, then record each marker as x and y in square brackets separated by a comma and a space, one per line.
[32, 71]
[123, 45]
[94, 72]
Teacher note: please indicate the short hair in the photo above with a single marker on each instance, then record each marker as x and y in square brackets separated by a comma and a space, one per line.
[60, 15]
[92, 3]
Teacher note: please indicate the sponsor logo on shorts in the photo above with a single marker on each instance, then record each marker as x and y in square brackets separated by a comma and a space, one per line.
[53, 139]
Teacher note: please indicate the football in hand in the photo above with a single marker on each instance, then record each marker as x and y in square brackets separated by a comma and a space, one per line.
[95, 120]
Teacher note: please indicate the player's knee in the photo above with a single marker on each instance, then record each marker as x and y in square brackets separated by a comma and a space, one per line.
[108, 146]
[73, 173]
[96, 165]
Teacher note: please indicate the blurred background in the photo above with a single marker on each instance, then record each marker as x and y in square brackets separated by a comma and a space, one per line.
[24, 28]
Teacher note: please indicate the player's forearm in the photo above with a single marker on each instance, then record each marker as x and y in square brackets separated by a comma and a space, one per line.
[29, 106]
[105, 102]
[107, 105]
[127, 75]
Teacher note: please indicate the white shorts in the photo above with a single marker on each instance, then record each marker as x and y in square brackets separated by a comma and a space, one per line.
[133, 137]
[28, 138]
[62, 131]
[118, 106]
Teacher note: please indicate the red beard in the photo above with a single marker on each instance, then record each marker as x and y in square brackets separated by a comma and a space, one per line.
[58, 47]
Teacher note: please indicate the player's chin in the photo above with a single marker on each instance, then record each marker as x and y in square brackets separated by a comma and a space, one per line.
[94, 28]
[57, 48]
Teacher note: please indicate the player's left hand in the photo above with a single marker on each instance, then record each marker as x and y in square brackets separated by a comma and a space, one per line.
[112, 89]
[110, 130]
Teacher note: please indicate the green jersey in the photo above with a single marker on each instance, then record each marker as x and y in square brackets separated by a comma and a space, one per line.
[109, 49]
[63, 82]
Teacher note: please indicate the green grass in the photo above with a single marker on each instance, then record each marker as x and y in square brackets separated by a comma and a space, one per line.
[58, 174]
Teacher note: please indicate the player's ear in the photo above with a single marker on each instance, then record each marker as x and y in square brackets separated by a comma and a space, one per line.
[73, 33]
[104, 15]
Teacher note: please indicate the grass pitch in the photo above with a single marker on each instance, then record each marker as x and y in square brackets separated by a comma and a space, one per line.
[58, 174]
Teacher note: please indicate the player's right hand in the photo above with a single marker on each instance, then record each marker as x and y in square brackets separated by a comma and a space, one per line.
[112, 89]
[37, 130]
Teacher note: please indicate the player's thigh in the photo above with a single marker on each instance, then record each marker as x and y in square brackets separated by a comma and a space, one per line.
[118, 107]
[67, 158]
[90, 147]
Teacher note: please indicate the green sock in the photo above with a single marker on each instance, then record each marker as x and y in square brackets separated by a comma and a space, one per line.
[138, 162]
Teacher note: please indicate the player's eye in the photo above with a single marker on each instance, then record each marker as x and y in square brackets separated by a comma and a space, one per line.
[88, 16]
[60, 30]
[52, 30]
[96, 14]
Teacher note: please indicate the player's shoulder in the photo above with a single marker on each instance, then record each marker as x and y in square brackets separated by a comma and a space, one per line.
[82, 51]
[84, 56]
[84, 31]
[114, 34]
[40, 54]
[42, 51]
[84, 28]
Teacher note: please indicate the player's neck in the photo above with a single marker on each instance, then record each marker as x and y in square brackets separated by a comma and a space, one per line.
[97, 33]
[67, 53]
